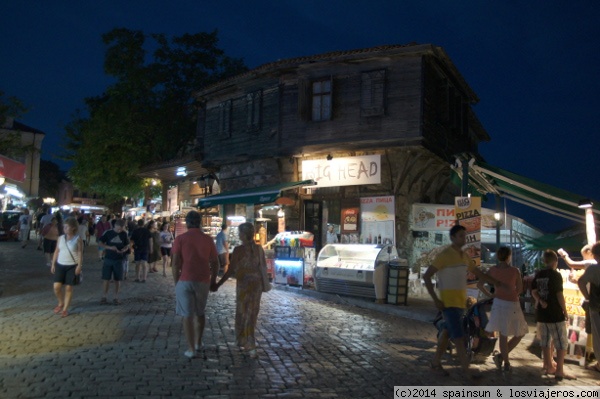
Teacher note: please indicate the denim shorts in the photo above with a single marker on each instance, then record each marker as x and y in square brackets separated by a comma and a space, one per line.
[139, 256]
[191, 298]
[112, 268]
[453, 319]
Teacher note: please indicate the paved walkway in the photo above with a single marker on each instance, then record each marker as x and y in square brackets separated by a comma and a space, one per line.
[312, 345]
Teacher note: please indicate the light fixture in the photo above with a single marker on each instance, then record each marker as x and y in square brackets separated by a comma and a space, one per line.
[280, 213]
[497, 216]
[2, 180]
[181, 171]
[329, 157]
[585, 203]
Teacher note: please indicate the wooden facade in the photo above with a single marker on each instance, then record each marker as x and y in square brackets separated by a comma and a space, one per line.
[407, 102]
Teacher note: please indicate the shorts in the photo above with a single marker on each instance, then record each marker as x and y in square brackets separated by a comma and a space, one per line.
[164, 251]
[453, 318]
[49, 246]
[191, 298]
[112, 269]
[555, 331]
[139, 256]
[64, 274]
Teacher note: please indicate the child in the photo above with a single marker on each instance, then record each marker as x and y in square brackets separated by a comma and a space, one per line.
[551, 315]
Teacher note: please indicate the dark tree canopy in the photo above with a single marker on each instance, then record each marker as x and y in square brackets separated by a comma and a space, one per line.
[148, 114]
[10, 107]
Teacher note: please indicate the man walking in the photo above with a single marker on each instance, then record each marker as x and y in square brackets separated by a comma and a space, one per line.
[223, 248]
[116, 245]
[142, 246]
[451, 266]
[195, 265]
[24, 227]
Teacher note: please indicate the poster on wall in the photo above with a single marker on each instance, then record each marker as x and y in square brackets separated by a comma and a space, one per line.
[432, 217]
[377, 217]
[468, 214]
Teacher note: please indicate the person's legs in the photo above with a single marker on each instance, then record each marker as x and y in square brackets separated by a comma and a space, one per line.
[59, 295]
[595, 326]
[442, 346]
[144, 267]
[200, 324]
[188, 329]
[68, 296]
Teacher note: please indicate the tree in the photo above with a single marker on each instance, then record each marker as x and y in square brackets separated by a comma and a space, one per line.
[10, 142]
[50, 178]
[149, 114]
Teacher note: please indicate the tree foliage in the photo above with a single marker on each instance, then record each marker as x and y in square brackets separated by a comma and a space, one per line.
[10, 142]
[148, 115]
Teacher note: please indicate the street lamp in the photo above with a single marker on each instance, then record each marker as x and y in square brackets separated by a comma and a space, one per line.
[497, 217]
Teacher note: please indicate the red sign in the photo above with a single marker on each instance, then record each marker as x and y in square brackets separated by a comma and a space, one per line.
[12, 169]
[350, 220]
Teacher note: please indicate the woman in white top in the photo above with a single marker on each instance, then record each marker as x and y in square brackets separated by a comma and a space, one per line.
[166, 243]
[66, 264]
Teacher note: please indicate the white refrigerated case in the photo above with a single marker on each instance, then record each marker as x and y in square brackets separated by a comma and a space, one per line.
[354, 269]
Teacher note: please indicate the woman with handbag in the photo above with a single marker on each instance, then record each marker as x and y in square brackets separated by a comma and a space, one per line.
[248, 265]
[66, 265]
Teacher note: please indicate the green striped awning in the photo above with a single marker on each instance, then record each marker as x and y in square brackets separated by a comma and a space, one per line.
[255, 195]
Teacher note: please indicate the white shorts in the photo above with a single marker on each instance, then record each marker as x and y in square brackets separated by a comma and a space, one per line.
[555, 331]
[191, 298]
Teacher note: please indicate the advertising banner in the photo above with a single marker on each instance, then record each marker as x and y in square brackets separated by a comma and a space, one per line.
[468, 214]
[377, 216]
[12, 169]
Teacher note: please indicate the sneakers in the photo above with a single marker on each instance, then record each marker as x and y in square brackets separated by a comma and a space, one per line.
[498, 360]
[190, 354]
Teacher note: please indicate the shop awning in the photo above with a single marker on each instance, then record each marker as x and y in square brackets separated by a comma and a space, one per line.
[12, 169]
[255, 195]
[488, 179]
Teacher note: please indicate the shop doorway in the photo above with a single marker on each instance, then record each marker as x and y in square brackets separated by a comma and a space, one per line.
[313, 215]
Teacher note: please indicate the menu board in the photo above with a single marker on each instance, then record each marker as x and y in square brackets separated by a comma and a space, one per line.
[468, 215]
[377, 216]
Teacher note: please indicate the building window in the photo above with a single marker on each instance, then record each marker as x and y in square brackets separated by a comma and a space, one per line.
[372, 93]
[321, 100]
[254, 101]
[225, 119]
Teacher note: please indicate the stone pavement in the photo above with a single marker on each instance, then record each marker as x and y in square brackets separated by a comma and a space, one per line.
[311, 345]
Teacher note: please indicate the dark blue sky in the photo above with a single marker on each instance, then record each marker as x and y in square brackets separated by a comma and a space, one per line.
[533, 64]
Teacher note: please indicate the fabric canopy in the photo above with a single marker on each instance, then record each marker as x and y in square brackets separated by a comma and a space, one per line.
[12, 169]
[486, 178]
[255, 195]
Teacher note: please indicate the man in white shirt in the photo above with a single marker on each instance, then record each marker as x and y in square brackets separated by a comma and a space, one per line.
[24, 227]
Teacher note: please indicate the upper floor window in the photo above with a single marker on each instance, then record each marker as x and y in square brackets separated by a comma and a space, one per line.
[253, 101]
[225, 119]
[321, 100]
[372, 93]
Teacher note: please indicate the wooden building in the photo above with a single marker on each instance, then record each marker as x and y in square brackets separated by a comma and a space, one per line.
[406, 104]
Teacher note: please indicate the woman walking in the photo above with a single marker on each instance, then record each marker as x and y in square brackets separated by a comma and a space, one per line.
[66, 264]
[166, 243]
[506, 316]
[245, 263]
[154, 255]
[50, 233]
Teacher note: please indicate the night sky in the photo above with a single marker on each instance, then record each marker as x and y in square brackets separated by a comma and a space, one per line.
[534, 65]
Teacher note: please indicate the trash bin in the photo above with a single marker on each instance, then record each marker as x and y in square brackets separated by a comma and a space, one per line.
[397, 290]
[380, 275]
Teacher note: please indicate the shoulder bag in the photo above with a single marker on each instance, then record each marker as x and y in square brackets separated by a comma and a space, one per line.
[263, 270]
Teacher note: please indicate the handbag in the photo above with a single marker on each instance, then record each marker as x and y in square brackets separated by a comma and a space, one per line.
[263, 271]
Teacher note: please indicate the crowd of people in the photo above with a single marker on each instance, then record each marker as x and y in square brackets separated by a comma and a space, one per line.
[506, 318]
[196, 259]
[192, 256]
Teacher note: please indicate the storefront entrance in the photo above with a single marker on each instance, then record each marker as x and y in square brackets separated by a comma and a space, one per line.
[313, 215]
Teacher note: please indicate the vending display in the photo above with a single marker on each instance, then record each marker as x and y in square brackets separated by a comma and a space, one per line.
[353, 269]
[233, 235]
[294, 258]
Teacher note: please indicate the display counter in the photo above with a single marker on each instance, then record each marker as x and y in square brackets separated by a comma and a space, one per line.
[354, 269]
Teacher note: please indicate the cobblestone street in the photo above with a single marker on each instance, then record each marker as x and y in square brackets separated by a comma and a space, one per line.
[309, 346]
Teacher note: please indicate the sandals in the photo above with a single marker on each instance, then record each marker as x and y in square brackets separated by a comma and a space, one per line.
[438, 368]
[57, 309]
[564, 377]
[64, 314]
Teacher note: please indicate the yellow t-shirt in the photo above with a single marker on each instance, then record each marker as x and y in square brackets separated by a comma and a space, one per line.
[452, 267]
